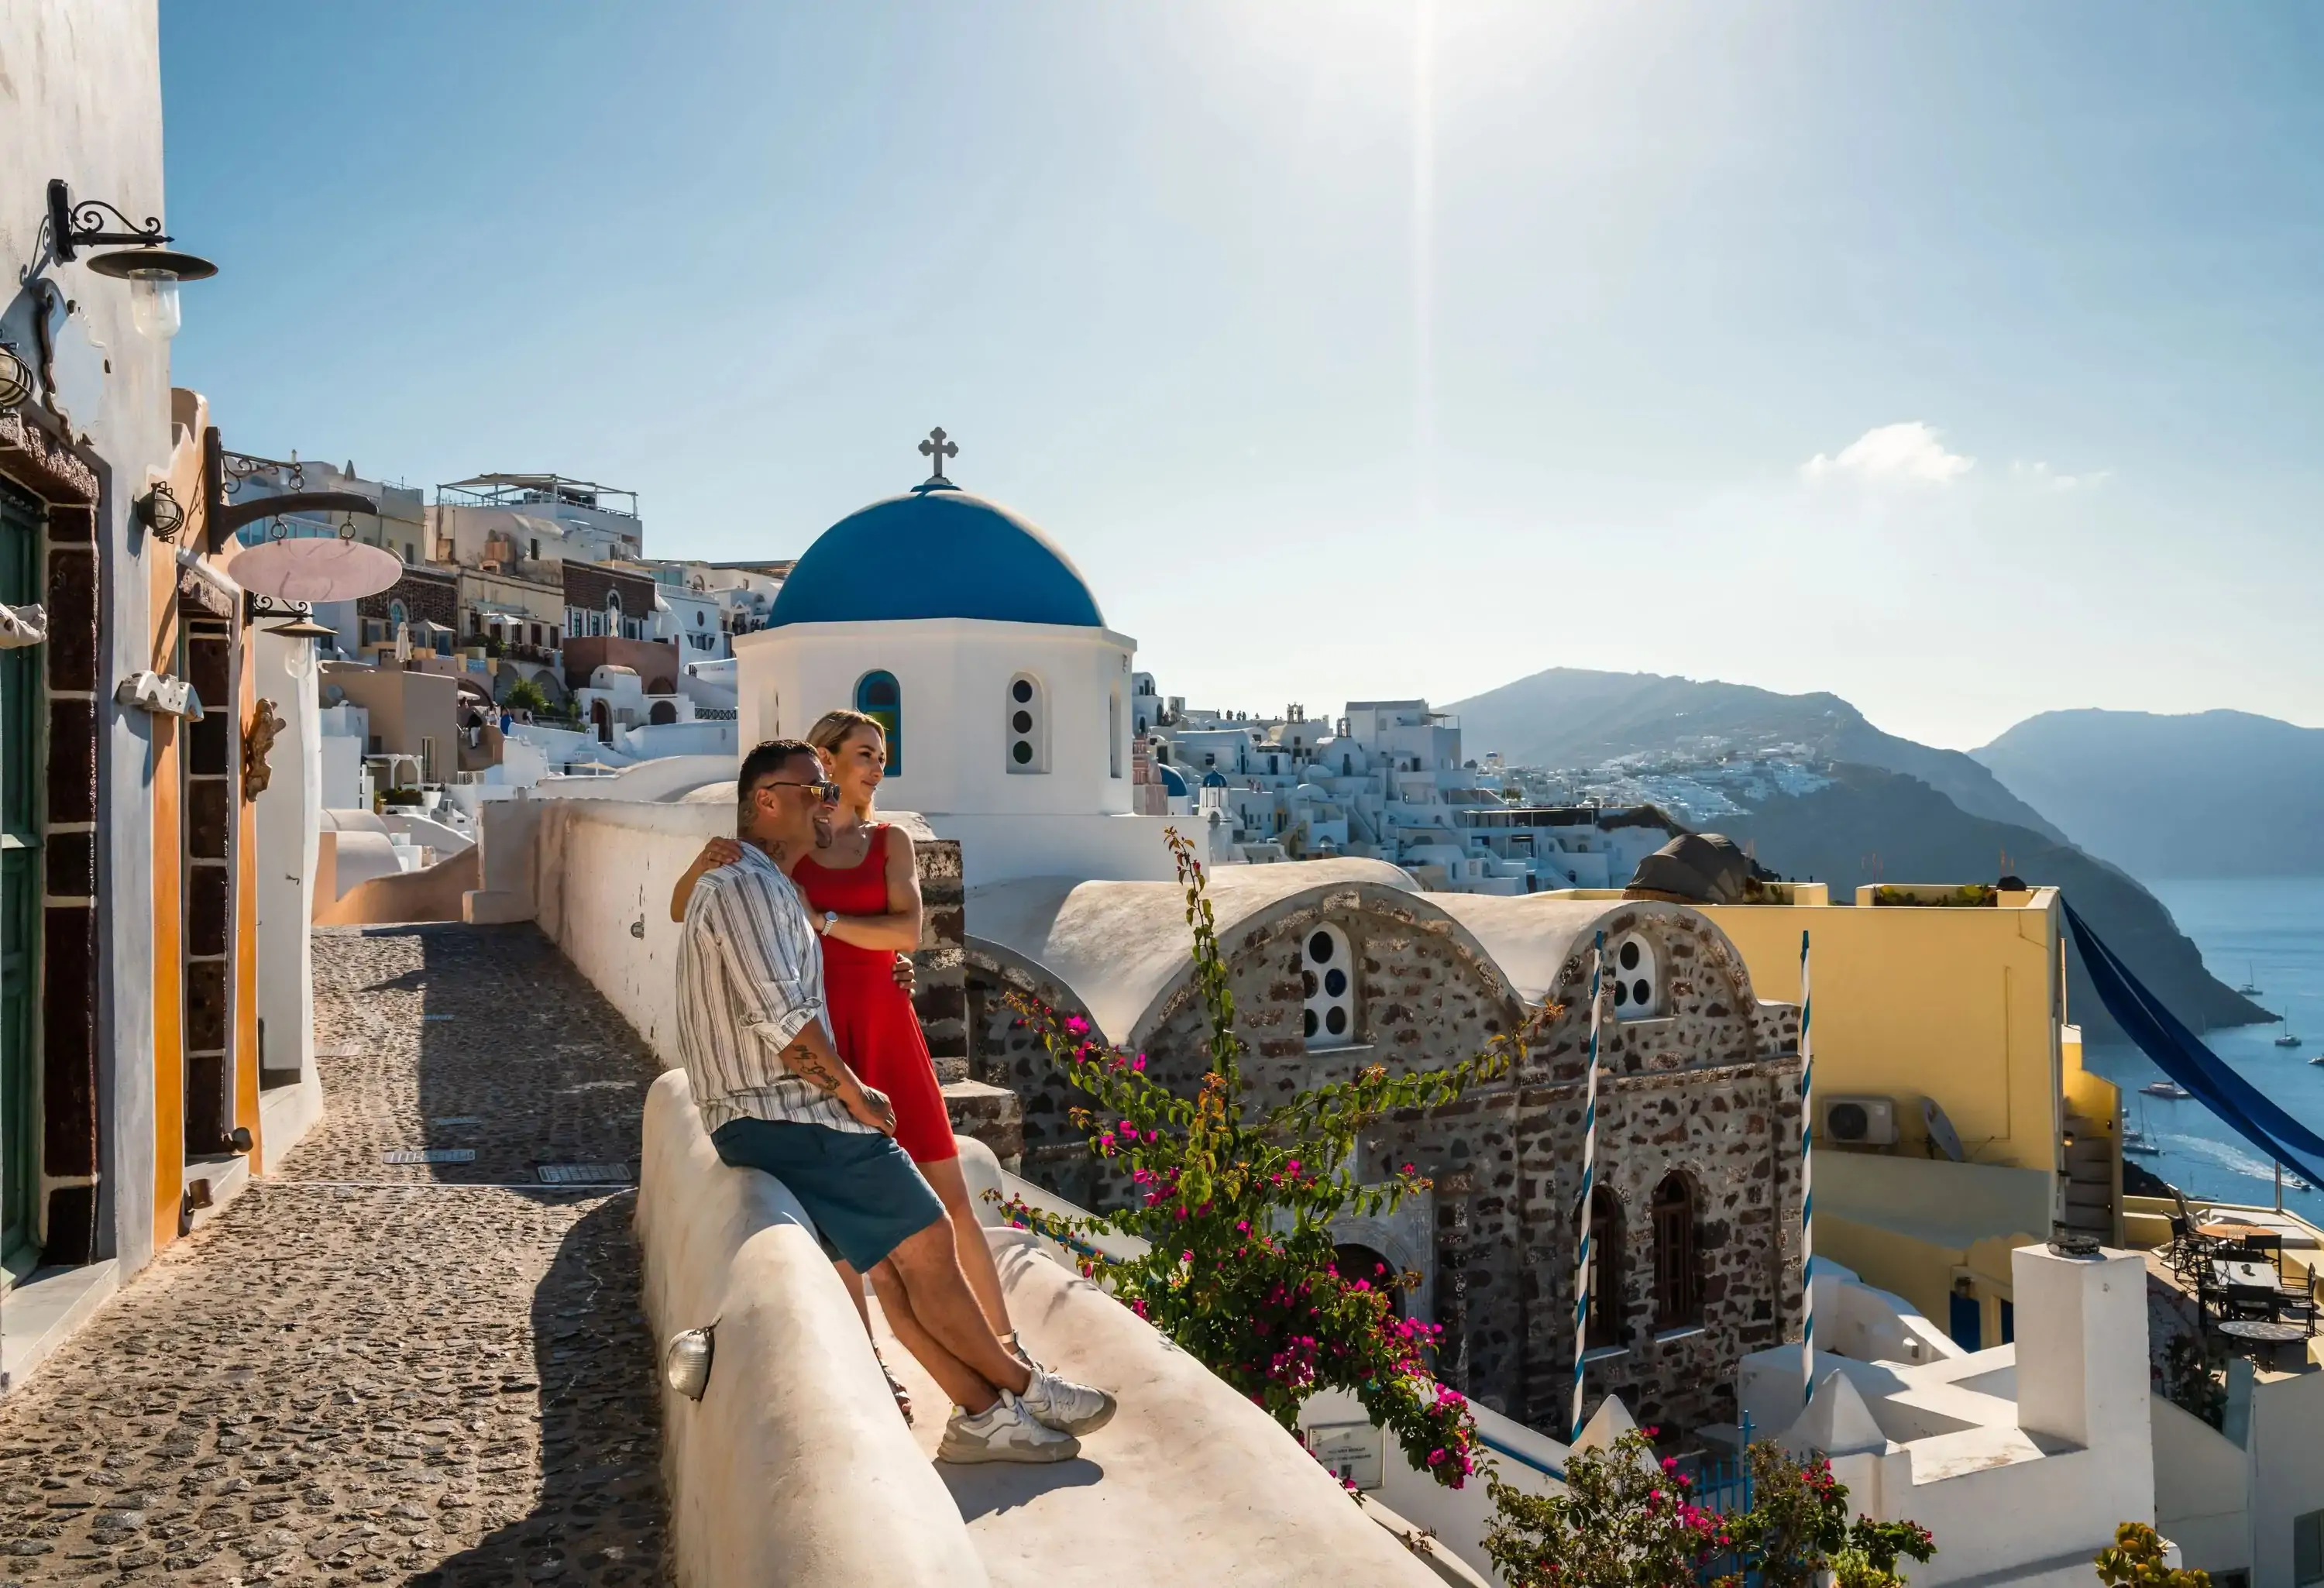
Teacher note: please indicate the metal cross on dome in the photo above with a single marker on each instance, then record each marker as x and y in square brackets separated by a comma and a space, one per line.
[936, 449]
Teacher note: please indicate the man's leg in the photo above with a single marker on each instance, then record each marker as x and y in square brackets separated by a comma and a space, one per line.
[927, 1266]
[968, 1390]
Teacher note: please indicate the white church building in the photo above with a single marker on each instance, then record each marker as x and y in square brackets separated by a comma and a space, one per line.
[1007, 699]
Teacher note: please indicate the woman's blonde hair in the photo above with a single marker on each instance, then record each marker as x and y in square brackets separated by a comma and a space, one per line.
[835, 728]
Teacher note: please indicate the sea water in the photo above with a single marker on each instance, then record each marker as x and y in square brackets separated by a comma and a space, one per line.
[2269, 932]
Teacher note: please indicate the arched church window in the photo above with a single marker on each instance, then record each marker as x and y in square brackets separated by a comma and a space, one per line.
[1605, 1324]
[1027, 713]
[879, 696]
[397, 614]
[1113, 733]
[1327, 976]
[1678, 1253]
[1638, 988]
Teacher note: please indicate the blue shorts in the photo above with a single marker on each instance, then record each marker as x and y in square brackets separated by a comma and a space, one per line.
[860, 1188]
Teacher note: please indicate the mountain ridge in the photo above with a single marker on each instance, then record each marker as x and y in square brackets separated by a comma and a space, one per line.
[1599, 716]
[2125, 785]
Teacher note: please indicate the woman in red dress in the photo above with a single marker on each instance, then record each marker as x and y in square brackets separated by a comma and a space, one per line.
[863, 893]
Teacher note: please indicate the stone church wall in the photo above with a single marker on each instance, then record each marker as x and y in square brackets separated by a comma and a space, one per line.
[1709, 1088]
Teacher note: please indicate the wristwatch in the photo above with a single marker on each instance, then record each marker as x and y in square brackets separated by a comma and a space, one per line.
[823, 927]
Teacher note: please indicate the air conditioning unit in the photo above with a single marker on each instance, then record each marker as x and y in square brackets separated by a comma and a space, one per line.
[1859, 1121]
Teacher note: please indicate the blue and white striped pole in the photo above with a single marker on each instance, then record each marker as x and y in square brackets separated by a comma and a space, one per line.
[1589, 1183]
[1807, 1182]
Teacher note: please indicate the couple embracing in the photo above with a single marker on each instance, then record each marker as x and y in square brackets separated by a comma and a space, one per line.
[796, 1024]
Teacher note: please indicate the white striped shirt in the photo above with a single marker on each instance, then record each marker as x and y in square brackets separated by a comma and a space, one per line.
[749, 978]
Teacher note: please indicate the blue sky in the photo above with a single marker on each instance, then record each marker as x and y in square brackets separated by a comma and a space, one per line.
[1963, 360]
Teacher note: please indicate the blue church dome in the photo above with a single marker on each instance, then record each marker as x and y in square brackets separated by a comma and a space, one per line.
[1173, 783]
[934, 552]
[1211, 780]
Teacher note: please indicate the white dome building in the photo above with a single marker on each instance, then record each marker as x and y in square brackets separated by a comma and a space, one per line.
[964, 630]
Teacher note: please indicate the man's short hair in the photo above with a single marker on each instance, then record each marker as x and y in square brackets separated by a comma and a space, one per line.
[764, 760]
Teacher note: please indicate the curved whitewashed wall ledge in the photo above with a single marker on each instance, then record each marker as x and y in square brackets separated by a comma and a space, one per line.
[793, 1467]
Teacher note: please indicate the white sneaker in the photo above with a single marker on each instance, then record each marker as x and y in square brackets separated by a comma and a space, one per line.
[1062, 1404]
[1004, 1431]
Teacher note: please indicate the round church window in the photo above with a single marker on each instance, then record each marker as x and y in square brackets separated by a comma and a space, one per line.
[1023, 752]
[1023, 723]
[1022, 691]
[1307, 982]
[1621, 994]
[1629, 956]
[1319, 948]
[1336, 1021]
[1311, 1023]
[1335, 982]
[1641, 994]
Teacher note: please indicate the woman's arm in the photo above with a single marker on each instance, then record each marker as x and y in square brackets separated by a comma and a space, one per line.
[899, 928]
[718, 852]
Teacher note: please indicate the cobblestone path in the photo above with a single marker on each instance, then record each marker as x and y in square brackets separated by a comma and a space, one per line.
[363, 1372]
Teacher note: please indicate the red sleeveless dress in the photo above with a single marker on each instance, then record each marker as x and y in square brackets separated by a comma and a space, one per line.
[872, 1019]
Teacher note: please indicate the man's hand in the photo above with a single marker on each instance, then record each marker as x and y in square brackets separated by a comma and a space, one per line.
[870, 1105]
[906, 977]
[718, 852]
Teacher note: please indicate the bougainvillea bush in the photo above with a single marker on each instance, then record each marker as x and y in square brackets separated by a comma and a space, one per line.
[1629, 1518]
[1236, 1204]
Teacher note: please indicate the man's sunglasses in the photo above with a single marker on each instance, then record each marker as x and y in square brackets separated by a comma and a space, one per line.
[826, 793]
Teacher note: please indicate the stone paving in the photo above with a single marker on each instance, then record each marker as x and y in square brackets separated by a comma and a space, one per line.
[367, 1373]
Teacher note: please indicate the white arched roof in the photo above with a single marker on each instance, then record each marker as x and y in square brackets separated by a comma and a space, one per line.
[1123, 948]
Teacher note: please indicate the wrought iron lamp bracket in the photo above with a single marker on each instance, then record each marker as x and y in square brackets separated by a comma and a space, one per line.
[73, 227]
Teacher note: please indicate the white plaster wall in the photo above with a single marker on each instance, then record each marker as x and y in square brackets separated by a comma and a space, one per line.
[2203, 1504]
[2286, 1440]
[80, 98]
[793, 1467]
[601, 866]
[340, 769]
[289, 822]
[1096, 848]
[954, 676]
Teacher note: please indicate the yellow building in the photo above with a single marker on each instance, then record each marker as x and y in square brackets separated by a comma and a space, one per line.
[1955, 998]
[1951, 997]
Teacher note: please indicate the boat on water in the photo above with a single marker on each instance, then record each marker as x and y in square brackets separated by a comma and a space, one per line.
[2136, 1139]
[2250, 989]
[2287, 1039]
[2171, 1089]
[2294, 1183]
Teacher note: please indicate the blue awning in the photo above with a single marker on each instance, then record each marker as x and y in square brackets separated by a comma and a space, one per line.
[2178, 1054]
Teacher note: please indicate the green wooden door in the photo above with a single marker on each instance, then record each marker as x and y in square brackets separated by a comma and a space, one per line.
[19, 882]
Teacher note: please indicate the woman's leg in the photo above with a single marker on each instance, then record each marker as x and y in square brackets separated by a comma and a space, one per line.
[968, 1236]
[855, 1283]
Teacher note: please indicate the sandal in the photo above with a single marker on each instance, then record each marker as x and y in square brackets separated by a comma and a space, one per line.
[895, 1388]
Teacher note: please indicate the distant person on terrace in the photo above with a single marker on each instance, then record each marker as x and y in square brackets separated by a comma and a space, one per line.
[776, 1095]
[864, 896]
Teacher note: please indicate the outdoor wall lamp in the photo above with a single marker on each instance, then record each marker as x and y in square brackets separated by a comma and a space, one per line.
[15, 377]
[160, 511]
[152, 271]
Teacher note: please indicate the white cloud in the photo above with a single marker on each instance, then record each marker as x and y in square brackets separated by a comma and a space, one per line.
[2042, 478]
[1912, 452]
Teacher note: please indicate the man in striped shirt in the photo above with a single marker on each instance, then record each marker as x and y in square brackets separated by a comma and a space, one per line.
[776, 1095]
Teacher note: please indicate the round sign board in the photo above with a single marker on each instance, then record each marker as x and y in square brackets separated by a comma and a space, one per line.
[321, 567]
